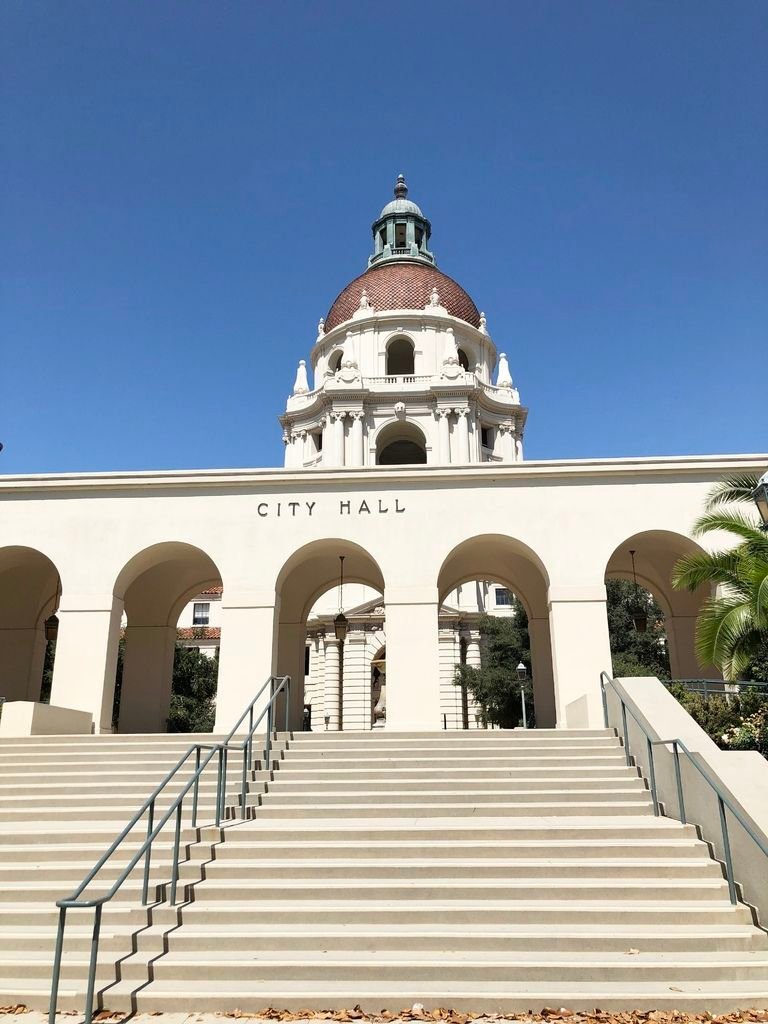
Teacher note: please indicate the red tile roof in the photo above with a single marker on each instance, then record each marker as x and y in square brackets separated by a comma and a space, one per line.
[402, 286]
[213, 590]
[199, 633]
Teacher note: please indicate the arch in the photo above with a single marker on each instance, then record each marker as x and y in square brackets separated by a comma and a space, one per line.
[499, 558]
[334, 360]
[463, 358]
[400, 443]
[400, 355]
[30, 590]
[308, 574]
[656, 552]
[154, 586]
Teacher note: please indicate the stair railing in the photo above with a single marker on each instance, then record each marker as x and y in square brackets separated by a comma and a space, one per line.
[678, 748]
[277, 686]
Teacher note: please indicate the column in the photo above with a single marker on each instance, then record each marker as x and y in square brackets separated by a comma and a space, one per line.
[507, 442]
[463, 428]
[145, 695]
[681, 640]
[444, 436]
[332, 684]
[356, 685]
[338, 438]
[246, 658]
[541, 672]
[356, 439]
[327, 459]
[580, 651]
[413, 668]
[86, 656]
[474, 660]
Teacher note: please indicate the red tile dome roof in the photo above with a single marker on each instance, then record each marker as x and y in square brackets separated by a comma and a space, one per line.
[402, 285]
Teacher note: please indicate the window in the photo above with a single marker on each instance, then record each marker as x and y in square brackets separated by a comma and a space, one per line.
[486, 437]
[318, 440]
[201, 613]
[400, 357]
[419, 236]
[463, 359]
[503, 597]
[400, 242]
[383, 237]
[306, 660]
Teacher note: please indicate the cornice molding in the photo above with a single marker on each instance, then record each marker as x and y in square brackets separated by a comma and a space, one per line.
[575, 470]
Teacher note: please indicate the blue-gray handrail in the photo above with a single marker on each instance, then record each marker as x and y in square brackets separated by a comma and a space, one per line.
[723, 801]
[277, 686]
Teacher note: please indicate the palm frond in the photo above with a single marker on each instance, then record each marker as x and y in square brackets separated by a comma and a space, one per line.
[732, 488]
[735, 523]
[726, 628]
[697, 568]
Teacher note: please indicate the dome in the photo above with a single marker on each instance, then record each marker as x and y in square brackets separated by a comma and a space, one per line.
[400, 206]
[402, 285]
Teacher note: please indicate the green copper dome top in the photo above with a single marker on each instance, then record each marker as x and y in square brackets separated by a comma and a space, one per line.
[401, 231]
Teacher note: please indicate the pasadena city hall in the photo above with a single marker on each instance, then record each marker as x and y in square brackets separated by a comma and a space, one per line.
[405, 471]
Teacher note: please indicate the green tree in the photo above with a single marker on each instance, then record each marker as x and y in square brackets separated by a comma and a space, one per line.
[732, 628]
[193, 698]
[635, 653]
[495, 686]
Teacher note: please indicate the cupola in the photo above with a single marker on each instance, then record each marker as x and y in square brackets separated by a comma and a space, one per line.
[401, 231]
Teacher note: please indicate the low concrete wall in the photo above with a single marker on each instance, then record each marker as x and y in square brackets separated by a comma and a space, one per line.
[28, 718]
[742, 776]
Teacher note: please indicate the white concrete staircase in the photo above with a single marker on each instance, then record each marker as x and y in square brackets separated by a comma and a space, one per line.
[488, 871]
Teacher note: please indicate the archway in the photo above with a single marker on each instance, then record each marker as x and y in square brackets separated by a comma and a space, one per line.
[401, 444]
[400, 357]
[497, 564]
[154, 587]
[656, 552]
[30, 590]
[310, 573]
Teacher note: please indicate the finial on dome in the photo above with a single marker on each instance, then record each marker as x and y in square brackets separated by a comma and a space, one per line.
[365, 302]
[321, 327]
[483, 324]
[401, 189]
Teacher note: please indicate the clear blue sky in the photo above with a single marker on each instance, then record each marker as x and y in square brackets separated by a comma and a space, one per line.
[187, 185]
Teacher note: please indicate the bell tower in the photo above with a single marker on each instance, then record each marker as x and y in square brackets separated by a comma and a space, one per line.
[402, 369]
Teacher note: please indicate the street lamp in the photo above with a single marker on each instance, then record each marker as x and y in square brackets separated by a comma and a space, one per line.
[760, 498]
[340, 623]
[522, 675]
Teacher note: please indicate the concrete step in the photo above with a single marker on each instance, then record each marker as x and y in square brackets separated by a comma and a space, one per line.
[559, 808]
[250, 996]
[631, 791]
[257, 867]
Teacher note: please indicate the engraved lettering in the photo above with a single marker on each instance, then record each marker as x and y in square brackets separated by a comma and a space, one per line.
[310, 505]
[382, 509]
[345, 506]
[260, 506]
[293, 505]
[397, 506]
[363, 508]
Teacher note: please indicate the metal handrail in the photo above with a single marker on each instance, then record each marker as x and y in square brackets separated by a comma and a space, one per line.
[278, 686]
[723, 801]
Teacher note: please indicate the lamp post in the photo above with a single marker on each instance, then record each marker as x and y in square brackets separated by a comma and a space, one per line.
[760, 498]
[522, 675]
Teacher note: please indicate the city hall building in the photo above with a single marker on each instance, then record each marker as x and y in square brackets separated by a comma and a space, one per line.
[404, 463]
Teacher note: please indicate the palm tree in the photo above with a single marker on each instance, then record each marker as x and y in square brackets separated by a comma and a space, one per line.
[732, 626]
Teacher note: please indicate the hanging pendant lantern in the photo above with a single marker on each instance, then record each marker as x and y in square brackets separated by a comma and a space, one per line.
[639, 615]
[341, 623]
